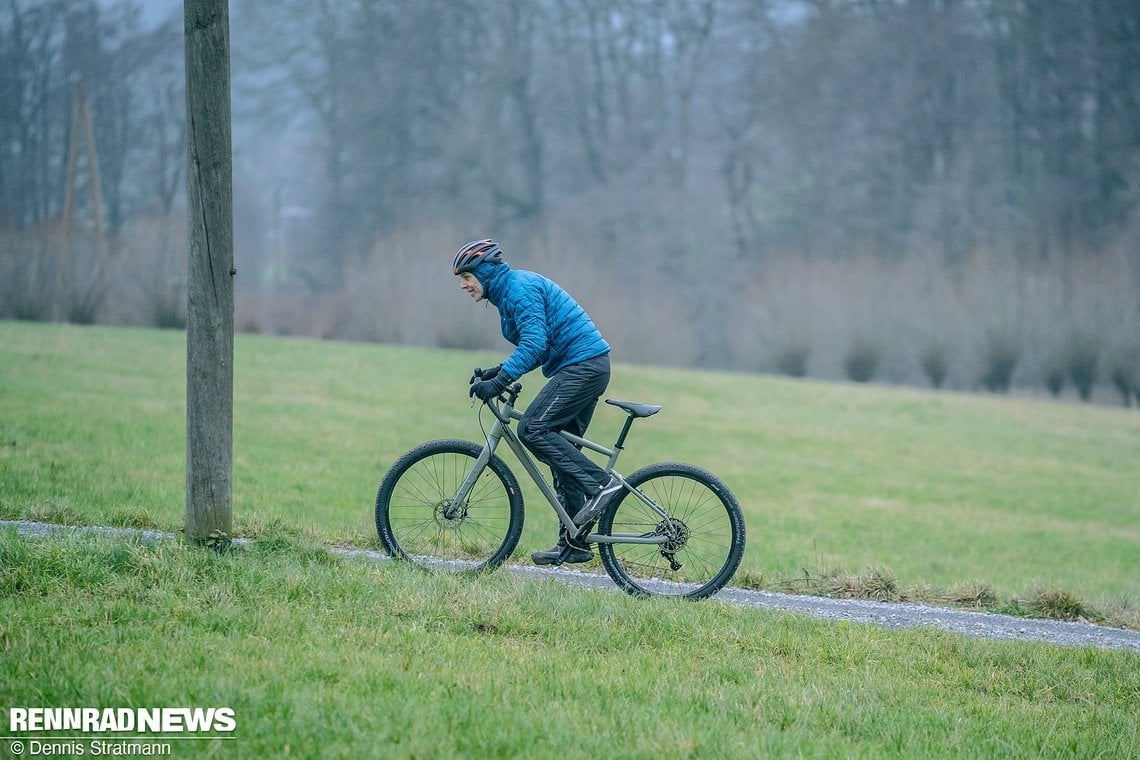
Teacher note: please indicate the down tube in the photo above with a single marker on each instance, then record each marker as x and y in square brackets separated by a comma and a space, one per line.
[532, 470]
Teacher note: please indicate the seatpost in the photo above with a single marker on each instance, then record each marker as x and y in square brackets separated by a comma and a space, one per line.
[624, 432]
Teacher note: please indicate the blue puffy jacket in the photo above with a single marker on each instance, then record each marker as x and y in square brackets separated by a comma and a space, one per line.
[542, 320]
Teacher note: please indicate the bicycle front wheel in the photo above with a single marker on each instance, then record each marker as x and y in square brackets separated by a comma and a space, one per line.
[699, 519]
[419, 519]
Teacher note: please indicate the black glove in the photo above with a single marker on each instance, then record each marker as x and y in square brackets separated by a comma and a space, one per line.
[485, 374]
[485, 390]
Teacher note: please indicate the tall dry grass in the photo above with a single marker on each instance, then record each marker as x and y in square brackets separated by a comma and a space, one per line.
[1067, 326]
[933, 323]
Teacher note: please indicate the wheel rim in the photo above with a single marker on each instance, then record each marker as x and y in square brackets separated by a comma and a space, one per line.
[429, 529]
[698, 532]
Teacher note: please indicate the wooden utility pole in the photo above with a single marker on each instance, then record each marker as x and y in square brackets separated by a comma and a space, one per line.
[210, 317]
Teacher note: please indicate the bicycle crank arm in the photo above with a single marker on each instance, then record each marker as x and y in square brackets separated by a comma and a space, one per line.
[563, 555]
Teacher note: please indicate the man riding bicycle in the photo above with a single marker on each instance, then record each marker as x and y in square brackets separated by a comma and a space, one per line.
[549, 329]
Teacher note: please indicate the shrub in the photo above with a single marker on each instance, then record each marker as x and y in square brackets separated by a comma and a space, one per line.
[1055, 380]
[792, 359]
[1123, 383]
[1125, 373]
[84, 309]
[25, 291]
[862, 361]
[1082, 364]
[168, 311]
[935, 363]
[28, 306]
[1054, 373]
[999, 359]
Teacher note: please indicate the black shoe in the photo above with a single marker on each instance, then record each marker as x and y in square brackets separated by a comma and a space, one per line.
[551, 556]
[563, 552]
[597, 502]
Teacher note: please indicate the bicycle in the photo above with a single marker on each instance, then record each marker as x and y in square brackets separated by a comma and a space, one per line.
[674, 530]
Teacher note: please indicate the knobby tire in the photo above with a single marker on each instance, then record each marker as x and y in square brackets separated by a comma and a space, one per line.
[705, 519]
[415, 493]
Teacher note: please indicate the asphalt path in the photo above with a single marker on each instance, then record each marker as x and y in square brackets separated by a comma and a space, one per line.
[886, 614]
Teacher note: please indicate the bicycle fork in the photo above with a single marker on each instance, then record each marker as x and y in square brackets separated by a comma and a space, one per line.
[458, 505]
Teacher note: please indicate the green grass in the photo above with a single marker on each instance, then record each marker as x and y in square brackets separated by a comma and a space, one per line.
[867, 490]
[322, 657]
[1016, 496]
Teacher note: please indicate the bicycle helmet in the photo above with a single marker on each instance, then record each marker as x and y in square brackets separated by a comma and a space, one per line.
[475, 253]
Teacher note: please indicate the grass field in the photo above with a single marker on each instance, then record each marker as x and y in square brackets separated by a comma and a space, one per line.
[320, 657]
[944, 493]
[325, 657]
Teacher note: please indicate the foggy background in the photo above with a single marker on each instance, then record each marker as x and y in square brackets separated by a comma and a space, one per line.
[940, 193]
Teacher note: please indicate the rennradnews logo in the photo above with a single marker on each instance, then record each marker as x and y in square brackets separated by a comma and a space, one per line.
[138, 720]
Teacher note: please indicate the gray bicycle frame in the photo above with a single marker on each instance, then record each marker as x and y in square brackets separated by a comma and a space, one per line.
[502, 430]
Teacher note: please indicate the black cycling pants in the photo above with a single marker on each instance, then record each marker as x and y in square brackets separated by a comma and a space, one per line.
[567, 402]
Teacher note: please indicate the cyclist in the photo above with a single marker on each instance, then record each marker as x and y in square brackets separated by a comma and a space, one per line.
[549, 329]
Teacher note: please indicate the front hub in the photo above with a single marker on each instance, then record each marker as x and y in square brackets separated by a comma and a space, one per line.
[449, 515]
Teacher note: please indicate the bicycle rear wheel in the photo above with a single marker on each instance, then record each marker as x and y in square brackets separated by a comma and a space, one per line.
[417, 520]
[704, 528]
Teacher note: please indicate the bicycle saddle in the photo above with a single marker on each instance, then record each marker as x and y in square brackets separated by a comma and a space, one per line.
[637, 410]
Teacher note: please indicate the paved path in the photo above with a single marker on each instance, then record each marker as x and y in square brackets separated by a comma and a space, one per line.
[887, 614]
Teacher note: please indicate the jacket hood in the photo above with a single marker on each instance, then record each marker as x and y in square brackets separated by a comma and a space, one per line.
[491, 276]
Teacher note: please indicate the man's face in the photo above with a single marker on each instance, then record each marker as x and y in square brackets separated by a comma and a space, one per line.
[469, 283]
